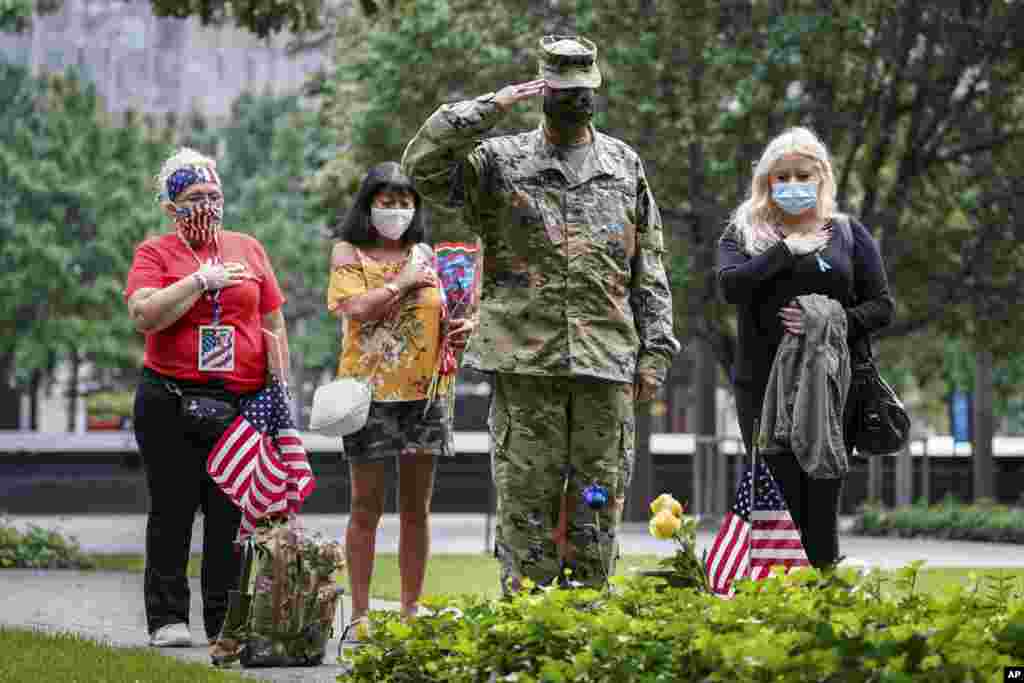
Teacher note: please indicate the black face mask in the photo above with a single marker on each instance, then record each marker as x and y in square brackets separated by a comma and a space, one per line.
[568, 108]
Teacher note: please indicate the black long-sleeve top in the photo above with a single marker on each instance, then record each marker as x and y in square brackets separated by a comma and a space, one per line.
[761, 285]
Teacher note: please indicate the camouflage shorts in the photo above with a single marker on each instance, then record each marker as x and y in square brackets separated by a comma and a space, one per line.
[541, 429]
[397, 426]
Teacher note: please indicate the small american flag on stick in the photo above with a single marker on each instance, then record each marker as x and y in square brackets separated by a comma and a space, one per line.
[756, 535]
[260, 462]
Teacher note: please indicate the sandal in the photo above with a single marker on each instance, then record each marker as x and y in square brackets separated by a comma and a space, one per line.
[356, 633]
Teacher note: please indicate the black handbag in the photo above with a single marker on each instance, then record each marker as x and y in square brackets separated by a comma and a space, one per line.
[206, 411]
[875, 415]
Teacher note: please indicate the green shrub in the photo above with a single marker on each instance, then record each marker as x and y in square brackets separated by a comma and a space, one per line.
[38, 548]
[983, 521]
[804, 627]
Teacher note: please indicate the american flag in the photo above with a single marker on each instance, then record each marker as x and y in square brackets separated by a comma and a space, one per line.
[260, 462]
[757, 534]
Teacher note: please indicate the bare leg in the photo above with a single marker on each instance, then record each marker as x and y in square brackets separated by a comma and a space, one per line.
[368, 493]
[416, 484]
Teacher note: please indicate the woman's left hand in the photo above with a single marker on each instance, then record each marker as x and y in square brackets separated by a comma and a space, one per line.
[458, 333]
[792, 318]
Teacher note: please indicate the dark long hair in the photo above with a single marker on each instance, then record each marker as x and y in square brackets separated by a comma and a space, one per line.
[356, 227]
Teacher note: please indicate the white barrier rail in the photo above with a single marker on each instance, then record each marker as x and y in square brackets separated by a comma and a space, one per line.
[12, 441]
[933, 446]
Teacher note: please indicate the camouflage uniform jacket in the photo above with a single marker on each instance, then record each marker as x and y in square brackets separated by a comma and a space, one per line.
[573, 281]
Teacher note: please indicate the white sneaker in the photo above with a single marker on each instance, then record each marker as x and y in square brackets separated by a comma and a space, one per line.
[171, 635]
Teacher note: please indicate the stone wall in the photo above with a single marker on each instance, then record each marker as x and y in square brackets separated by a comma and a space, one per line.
[157, 64]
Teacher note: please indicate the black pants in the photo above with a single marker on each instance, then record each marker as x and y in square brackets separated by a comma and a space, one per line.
[179, 485]
[813, 503]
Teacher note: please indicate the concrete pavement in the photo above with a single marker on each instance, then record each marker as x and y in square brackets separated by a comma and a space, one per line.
[466, 534]
[107, 607]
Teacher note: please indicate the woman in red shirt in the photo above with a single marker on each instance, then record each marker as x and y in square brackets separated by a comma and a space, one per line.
[203, 297]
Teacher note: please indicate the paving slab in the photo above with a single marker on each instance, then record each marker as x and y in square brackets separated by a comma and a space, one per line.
[107, 607]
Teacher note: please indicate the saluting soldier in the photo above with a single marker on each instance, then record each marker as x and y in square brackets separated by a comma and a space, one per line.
[576, 312]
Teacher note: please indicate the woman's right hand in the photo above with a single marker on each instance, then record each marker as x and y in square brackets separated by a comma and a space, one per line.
[220, 275]
[415, 278]
[808, 243]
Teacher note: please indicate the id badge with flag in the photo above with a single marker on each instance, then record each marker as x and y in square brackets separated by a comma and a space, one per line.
[216, 348]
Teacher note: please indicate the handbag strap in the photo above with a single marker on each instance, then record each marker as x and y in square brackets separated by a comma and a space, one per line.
[846, 231]
[392, 317]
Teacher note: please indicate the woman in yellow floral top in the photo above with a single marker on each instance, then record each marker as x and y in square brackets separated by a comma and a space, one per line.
[385, 288]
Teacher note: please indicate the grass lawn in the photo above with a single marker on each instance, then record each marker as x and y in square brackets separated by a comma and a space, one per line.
[34, 657]
[478, 573]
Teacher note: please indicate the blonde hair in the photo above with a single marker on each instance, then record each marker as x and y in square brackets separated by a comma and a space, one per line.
[754, 221]
[184, 157]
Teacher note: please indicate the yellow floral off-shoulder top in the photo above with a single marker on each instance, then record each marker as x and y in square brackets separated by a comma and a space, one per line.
[410, 345]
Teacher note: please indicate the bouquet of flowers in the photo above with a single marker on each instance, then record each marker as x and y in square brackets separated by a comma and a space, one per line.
[683, 569]
[458, 268]
[284, 610]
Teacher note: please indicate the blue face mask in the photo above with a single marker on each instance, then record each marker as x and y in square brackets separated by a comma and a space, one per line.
[795, 198]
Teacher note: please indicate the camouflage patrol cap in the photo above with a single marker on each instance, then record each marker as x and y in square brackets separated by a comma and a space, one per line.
[569, 62]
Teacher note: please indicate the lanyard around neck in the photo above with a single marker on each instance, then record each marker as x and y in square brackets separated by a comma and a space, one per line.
[213, 297]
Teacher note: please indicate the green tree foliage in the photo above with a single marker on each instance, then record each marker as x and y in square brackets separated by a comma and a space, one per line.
[395, 68]
[74, 200]
[919, 103]
[16, 15]
[262, 17]
[267, 17]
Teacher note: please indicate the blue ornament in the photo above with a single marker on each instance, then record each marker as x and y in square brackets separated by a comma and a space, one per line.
[596, 497]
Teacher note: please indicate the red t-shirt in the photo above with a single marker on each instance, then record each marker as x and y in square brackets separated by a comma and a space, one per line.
[174, 351]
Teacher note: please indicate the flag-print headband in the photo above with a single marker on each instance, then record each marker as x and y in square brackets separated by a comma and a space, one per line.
[188, 176]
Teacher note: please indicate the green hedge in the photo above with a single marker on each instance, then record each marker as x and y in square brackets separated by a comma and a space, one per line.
[946, 520]
[38, 548]
[804, 627]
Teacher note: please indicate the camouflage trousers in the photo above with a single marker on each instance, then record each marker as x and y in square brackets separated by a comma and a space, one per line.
[542, 430]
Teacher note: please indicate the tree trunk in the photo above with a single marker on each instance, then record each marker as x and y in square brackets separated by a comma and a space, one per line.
[707, 470]
[37, 381]
[641, 487]
[10, 398]
[73, 390]
[984, 427]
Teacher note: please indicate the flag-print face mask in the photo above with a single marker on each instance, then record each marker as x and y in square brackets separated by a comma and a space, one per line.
[198, 216]
[198, 224]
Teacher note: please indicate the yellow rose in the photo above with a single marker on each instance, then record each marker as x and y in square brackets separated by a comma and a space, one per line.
[664, 525]
[666, 502]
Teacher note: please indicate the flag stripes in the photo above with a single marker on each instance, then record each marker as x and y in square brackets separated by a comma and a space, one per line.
[756, 535]
[260, 461]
